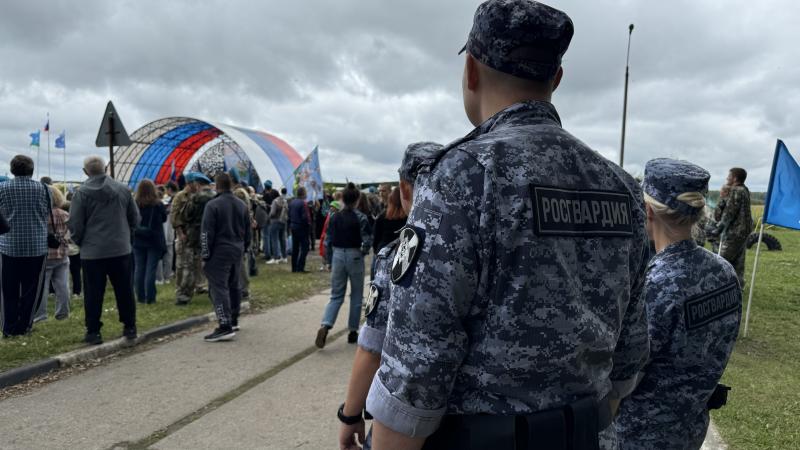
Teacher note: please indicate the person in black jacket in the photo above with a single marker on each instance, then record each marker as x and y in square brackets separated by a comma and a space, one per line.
[300, 226]
[149, 243]
[348, 239]
[224, 235]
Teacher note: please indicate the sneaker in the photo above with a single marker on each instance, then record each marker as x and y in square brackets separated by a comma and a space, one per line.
[235, 325]
[284, 261]
[129, 333]
[93, 338]
[182, 302]
[272, 261]
[352, 337]
[322, 334]
[220, 334]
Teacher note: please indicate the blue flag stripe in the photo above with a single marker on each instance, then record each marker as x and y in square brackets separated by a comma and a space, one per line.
[782, 204]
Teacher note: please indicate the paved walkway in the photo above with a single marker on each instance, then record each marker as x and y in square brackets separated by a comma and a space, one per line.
[270, 389]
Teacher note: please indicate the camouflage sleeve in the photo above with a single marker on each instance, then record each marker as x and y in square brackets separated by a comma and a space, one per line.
[435, 285]
[377, 311]
[175, 209]
[719, 209]
[366, 232]
[665, 316]
[732, 207]
[633, 345]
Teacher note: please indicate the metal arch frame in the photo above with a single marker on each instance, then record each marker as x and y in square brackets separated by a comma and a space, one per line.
[129, 156]
[135, 163]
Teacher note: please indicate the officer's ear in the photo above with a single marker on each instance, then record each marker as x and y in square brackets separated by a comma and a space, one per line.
[651, 215]
[471, 73]
[557, 78]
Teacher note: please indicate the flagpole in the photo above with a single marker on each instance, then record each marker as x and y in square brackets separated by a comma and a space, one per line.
[625, 100]
[753, 277]
[65, 158]
[38, 167]
[49, 172]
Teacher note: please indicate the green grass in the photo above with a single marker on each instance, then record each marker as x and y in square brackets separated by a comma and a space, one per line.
[275, 285]
[763, 410]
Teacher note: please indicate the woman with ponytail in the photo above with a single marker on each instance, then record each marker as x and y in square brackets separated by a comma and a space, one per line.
[693, 305]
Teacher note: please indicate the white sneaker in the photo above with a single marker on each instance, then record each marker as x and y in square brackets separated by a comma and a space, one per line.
[272, 261]
[284, 260]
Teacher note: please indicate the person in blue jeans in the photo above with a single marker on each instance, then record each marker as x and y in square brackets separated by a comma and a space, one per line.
[149, 243]
[348, 240]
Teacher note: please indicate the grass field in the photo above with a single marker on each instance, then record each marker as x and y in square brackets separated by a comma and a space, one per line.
[763, 410]
[275, 285]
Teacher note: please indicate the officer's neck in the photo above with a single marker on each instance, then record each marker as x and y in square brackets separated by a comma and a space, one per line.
[662, 239]
[495, 101]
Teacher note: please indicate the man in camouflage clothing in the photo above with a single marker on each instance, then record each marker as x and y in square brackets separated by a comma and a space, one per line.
[516, 320]
[191, 216]
[736, 222]
[184, 259]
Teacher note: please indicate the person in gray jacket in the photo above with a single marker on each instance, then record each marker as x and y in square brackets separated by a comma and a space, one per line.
[224, 234]
[102, 217]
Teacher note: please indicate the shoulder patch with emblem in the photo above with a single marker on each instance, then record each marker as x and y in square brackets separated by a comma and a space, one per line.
[406, 252]
[372, 299]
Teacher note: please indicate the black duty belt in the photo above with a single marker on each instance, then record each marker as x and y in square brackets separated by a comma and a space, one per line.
[573, 427]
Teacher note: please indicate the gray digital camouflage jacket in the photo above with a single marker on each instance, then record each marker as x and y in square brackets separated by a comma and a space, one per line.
[694, 306]
[518, 287]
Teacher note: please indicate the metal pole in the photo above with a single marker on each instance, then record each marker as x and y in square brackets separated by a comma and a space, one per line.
[49, 173]
[65, 159]
[625, 100]
[111, 143]
[753, 278]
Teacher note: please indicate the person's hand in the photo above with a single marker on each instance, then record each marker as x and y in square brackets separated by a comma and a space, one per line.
[347, 436]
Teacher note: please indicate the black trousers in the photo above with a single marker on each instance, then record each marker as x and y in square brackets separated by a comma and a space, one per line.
[23, 282]
[75, 273]
[118, 270]
[223, 274]
[300, 241]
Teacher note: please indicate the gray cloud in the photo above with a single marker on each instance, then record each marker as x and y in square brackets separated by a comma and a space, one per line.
[712, 82]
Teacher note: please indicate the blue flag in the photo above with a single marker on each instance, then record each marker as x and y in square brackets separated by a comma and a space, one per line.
[782, 206]
[308, 174]
[60, 140]
[35, 138]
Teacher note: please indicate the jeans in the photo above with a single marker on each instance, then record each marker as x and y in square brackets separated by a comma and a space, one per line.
[266, 243]
[95, 273]
[277, 237]
[146, 260]
[55, 270]
[346, 263]
[299, 249]
[23, 283]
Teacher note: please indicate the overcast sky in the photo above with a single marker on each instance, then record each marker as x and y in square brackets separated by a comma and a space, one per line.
[714, 82]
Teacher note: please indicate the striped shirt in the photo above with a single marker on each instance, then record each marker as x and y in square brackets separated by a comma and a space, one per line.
[25, 204]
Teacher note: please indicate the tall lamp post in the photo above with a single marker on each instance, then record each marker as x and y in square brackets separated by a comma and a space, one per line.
[625, 101]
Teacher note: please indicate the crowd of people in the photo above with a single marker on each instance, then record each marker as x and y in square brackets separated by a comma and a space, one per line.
[139, 241]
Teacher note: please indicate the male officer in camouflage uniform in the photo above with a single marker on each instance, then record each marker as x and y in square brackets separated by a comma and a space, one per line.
[184, 258]
[516, 320]
[191, 216]
[736, 222]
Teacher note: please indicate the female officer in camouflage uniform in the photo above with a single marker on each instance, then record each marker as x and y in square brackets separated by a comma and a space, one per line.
[370, 340]
[693, 306]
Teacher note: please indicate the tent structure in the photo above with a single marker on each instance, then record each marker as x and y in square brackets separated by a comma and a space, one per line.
[171, 146]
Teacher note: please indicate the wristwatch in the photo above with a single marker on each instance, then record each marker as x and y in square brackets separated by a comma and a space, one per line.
[347, 420]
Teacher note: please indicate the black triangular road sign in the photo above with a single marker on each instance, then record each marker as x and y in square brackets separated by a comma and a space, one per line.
[111, 132]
